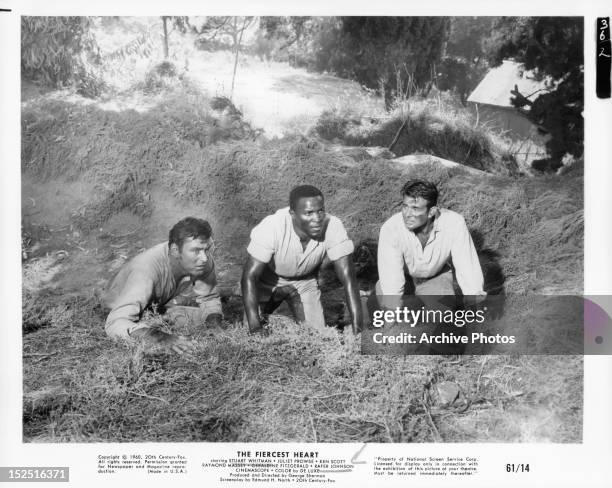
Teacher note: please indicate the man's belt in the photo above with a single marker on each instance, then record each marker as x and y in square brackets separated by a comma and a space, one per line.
[297, 278]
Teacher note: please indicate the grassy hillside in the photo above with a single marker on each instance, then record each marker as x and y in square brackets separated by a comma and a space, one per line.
[101, 184]
[420, 126]
[184, 147]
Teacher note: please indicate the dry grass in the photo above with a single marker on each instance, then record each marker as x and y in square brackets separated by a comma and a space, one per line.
[428, 127]
[297, 385]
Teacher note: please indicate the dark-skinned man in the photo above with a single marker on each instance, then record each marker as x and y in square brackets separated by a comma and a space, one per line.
[285, 253]
[178, 275]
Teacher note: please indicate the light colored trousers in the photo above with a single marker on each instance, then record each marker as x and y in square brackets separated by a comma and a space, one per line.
[301, 295]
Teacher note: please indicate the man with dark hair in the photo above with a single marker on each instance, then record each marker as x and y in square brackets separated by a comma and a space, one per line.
[178, 275]
[419, 247]
[284, 256]
[302, 191]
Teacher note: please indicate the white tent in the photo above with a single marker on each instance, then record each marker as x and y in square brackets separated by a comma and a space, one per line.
[491, 100]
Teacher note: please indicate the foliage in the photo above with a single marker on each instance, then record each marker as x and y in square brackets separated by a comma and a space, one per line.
[455, 74]
[289, 39]
[142, 46]
[161, 77]
[292, 29]
[468, 36]
[464, 63]
[553, 48]
[223, 29]
[383, 53]
[226, 27]
[58, 51]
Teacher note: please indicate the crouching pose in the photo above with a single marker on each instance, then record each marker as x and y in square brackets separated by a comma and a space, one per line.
[420, 250]
[421, 246]
[284, 256]
[178, 275]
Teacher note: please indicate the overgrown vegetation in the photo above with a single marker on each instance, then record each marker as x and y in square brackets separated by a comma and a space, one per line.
[293, 387]
[60, 51]
[180, 145]
[464, 63]
[420, 127]
[398, 57]
[386, 53]
[553, 48]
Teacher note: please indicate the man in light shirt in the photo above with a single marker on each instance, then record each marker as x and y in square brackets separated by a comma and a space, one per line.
[419, 247]
[178, 275]
[284, 256]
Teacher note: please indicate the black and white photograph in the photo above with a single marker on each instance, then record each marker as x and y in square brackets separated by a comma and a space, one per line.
[171, 166]
[218, 212]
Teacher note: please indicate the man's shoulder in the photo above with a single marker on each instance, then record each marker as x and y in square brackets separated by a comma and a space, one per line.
[450, 218]
[334, 221]
[281, 217]
[144, 269]
[393, 230]
[277, 220]
[394, 222]
[149, 258]
[160, 249]
[335, 228]
[278, 217]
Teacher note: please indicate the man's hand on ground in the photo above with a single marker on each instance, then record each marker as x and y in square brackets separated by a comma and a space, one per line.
[260, 331]
[170, 342]
[261, 328]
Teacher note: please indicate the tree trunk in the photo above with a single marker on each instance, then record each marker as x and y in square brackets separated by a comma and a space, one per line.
[237, 53]
[165, 21]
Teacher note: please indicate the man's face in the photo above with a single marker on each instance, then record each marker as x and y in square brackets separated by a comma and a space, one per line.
[415, 212]
[309, 216]
[194, 255]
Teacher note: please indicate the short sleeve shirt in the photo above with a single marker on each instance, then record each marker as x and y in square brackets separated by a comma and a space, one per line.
[274, 241]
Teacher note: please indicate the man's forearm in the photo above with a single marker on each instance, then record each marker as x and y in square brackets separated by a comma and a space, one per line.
[354, 305]
[251, 302]
[346, 273]
[123, 327]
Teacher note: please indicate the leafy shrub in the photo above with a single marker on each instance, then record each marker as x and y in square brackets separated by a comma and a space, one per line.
[160, 77]
[57, 51]
[331, 125]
